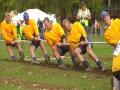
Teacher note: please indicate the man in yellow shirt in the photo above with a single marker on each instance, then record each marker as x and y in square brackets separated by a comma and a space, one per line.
[31, 32]
[55, 37]
[78, 40]
[112, 36]
[10, 36]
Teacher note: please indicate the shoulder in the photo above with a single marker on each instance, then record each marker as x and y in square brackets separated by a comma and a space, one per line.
[76, 23]
[3, 22]
[56, 24]
[32, 20]
[117, 20]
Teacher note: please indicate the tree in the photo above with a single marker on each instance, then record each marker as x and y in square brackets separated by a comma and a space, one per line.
[52, 6]
[96, 6]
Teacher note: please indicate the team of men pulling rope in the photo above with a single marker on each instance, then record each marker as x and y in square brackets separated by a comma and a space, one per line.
[75, 41]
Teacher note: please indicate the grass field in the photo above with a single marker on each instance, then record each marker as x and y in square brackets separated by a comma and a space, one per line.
[25, 76]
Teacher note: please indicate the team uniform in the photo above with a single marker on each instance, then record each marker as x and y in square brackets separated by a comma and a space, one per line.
[74, 37]
[77, 35]
[30, 31]
[112, 36]
[54, 36]
[9, 32]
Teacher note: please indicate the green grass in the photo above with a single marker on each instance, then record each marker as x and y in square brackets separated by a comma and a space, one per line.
[24, 76]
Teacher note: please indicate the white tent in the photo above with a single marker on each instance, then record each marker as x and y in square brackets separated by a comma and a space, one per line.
[34, 14]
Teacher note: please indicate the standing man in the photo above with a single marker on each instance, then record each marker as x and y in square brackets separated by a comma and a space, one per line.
[112, 36]
[9, 34]
[31, 32]
[84, 17]
[78, 40]
[55, 37]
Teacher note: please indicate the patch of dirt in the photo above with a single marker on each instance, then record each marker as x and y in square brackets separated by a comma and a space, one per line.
[31, 85]
[38, 86]
[107, 72]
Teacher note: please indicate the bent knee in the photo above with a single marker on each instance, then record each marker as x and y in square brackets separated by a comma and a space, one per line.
[77, 51]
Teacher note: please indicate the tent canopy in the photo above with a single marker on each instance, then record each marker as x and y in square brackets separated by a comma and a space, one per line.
[34, 14]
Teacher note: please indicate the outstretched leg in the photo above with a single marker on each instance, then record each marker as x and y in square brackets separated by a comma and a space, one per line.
[47, 58]
[94, 57]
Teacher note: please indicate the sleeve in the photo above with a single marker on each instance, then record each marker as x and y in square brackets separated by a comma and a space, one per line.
[81, 29]
[14, 32]
[35, 28]
[27, 34]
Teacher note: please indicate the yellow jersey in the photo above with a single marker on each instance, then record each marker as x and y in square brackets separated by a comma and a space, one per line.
[55, 34]
[112, 36]
[30, 30]
[9, 31]
[77, 30]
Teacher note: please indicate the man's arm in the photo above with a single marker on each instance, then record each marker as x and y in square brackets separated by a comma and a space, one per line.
[14, 32]
[35, 28]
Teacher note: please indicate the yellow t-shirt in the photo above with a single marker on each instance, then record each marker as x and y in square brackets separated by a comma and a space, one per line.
[31, 29]
[112, 33]
[112, 36]
[77, 30]
[9, 31]
[55, 34]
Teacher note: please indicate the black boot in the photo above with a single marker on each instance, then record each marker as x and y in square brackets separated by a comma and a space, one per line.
[61, 65]
[75, 62]
[47, 59]
[100, 66]
[87, 66]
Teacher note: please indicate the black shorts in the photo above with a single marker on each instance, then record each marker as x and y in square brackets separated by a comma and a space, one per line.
[83, 47]
[34, 43]
[117, 74]
[63, 50]
[13, 45]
